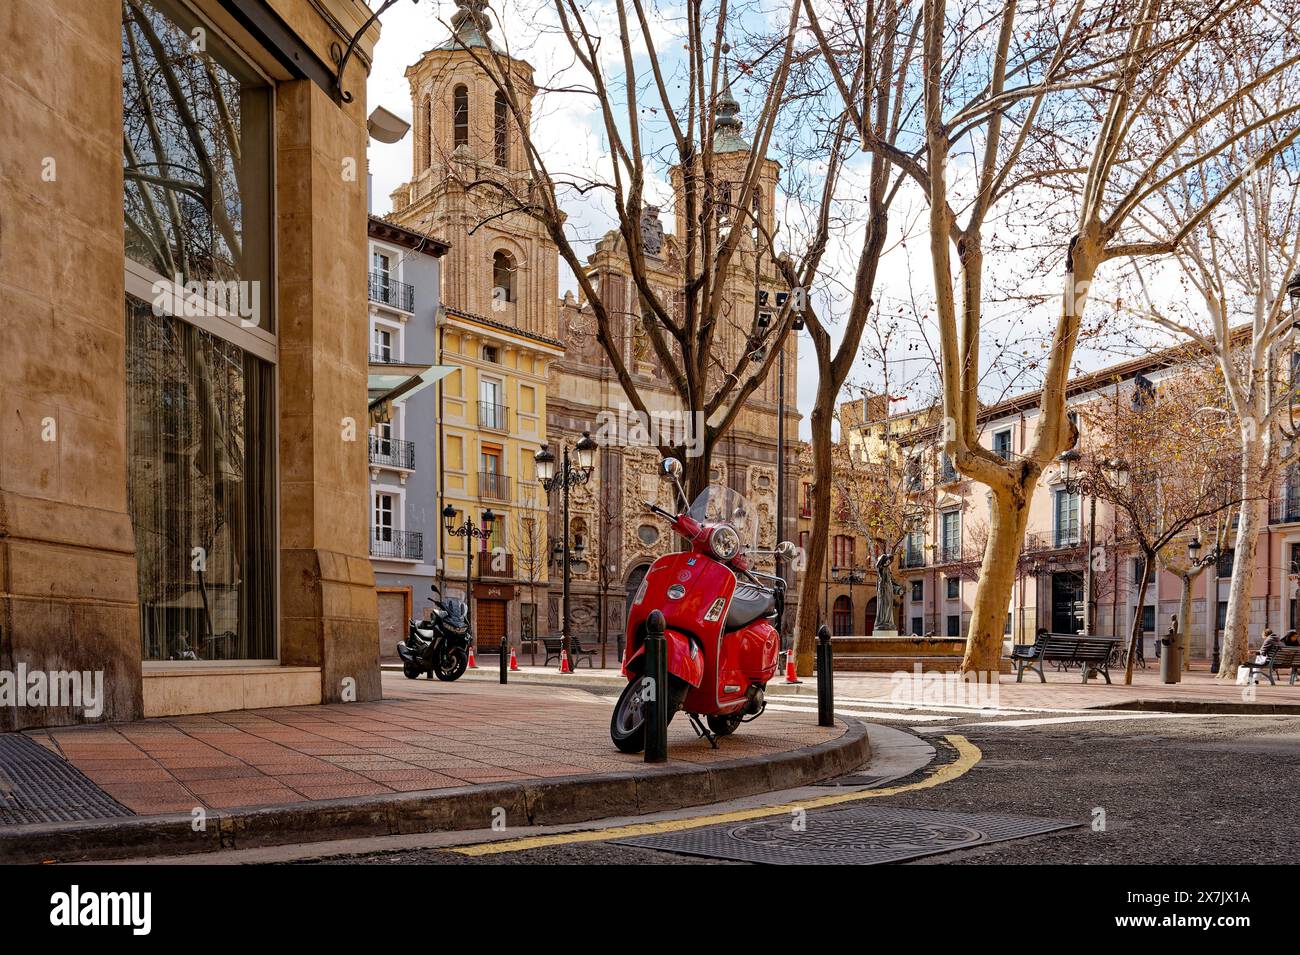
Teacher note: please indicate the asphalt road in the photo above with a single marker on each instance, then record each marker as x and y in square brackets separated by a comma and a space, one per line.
[1204, 789]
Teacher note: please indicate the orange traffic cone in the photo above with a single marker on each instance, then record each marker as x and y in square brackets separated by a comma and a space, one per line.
[473, 664]
[564, 661]
[790, 675]
[514, 661]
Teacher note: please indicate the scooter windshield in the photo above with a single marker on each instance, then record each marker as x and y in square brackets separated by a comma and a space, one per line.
[719, 504]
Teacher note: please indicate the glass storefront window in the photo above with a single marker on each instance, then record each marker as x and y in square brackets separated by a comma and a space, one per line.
[200, 343]
[196, 156]
[201, 477]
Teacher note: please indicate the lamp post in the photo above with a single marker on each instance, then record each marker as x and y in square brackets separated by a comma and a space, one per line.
[1194, 559]
[570, 475]
[470, 531]
[1073, 485]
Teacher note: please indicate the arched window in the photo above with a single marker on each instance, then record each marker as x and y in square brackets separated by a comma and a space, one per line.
[460, 115]
[501, 130]
[503, 276]
[428, 132]
[842, 616]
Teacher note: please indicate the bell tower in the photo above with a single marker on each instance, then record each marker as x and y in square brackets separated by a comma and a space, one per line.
[469, 175]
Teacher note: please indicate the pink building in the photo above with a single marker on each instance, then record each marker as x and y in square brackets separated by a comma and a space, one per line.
[940, 560]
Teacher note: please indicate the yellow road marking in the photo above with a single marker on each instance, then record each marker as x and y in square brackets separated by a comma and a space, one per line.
[967, 756]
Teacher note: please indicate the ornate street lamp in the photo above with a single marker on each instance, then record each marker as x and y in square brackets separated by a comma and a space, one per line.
[470, 531]
[572, 473]
[1074, 481]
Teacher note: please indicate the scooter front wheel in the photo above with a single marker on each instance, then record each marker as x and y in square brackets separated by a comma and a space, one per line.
[627, 725]
[451, 666]
[411, 671]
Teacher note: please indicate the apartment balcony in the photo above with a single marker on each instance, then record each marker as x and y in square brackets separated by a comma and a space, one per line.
[390, 453]
[493, 417]
[1284, 509]
[386, 544]
[949, 555]
[493, 486]
[384, 358]
[492, 565]
[913, 559]
[385, 290]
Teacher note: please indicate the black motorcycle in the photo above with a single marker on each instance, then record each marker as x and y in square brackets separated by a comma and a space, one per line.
[438, 646]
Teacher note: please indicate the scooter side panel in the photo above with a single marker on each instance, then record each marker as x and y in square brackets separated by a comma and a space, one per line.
[685, 661]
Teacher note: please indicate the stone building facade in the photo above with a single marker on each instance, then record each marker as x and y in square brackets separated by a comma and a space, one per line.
[180, 464]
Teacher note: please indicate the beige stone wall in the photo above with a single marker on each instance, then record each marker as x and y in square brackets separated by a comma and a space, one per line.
[68, 587]
[67, 566]
[328, 609]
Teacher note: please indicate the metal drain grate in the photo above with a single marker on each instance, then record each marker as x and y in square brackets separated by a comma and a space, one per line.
[38, 786]
[855, 780]
[857, 835]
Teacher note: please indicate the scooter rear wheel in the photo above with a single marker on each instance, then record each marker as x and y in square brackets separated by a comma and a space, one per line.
[627, 725]
[724, 725]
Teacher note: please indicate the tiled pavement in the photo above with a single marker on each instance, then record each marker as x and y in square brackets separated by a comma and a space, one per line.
[425, 735]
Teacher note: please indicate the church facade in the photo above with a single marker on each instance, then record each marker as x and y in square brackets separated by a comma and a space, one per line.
[502, 275]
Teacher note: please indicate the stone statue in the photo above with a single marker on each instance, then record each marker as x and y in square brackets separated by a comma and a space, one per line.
[652, 231]
[888, 591]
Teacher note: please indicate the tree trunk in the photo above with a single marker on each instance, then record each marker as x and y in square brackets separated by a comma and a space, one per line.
[1135, 631]
[997, 579]
[815, 554]
[1236, 627]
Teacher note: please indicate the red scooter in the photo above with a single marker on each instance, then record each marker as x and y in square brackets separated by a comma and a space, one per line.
[722, 620]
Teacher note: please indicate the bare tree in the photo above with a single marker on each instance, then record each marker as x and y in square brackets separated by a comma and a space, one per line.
[1160, 465]
[712, 357]
[1236, 262]
[1074, 98]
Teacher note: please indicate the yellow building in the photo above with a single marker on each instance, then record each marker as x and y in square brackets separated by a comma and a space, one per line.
[498, 328]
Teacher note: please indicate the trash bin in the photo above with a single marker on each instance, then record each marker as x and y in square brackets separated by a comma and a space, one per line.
[1171, 660]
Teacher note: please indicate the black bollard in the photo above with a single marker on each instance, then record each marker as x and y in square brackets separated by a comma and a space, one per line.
[825, 678]
[505, 658]
[656, 708]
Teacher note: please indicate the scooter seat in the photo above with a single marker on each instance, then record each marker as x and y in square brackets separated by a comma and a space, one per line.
[748, 603]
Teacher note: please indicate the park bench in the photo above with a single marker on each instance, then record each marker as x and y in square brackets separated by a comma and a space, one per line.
[1278, 658]
[1092, 653]
[577, 651]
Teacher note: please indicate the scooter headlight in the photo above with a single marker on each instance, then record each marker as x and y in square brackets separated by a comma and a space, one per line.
[724, 542]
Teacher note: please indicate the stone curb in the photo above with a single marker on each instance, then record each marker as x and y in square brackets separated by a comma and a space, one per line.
[562, 800]
[1207, 707]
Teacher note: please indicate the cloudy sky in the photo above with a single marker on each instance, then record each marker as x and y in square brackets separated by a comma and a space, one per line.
[1023, 317]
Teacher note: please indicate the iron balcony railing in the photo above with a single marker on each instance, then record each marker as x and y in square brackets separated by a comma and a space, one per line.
[949, 553]
[396, 545]
[1285, 509]
[384, 358]
[493, 416]
[386, 290]
[391, 453]
[493, 486]
[913, 558]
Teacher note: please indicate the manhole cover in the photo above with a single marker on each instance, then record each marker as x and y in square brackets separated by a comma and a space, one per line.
[858, 835]
[38, 786]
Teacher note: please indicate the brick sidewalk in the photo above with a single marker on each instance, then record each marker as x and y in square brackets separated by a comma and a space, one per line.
[424, 735]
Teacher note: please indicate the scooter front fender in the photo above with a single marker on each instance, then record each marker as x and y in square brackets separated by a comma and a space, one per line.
[684, 658]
